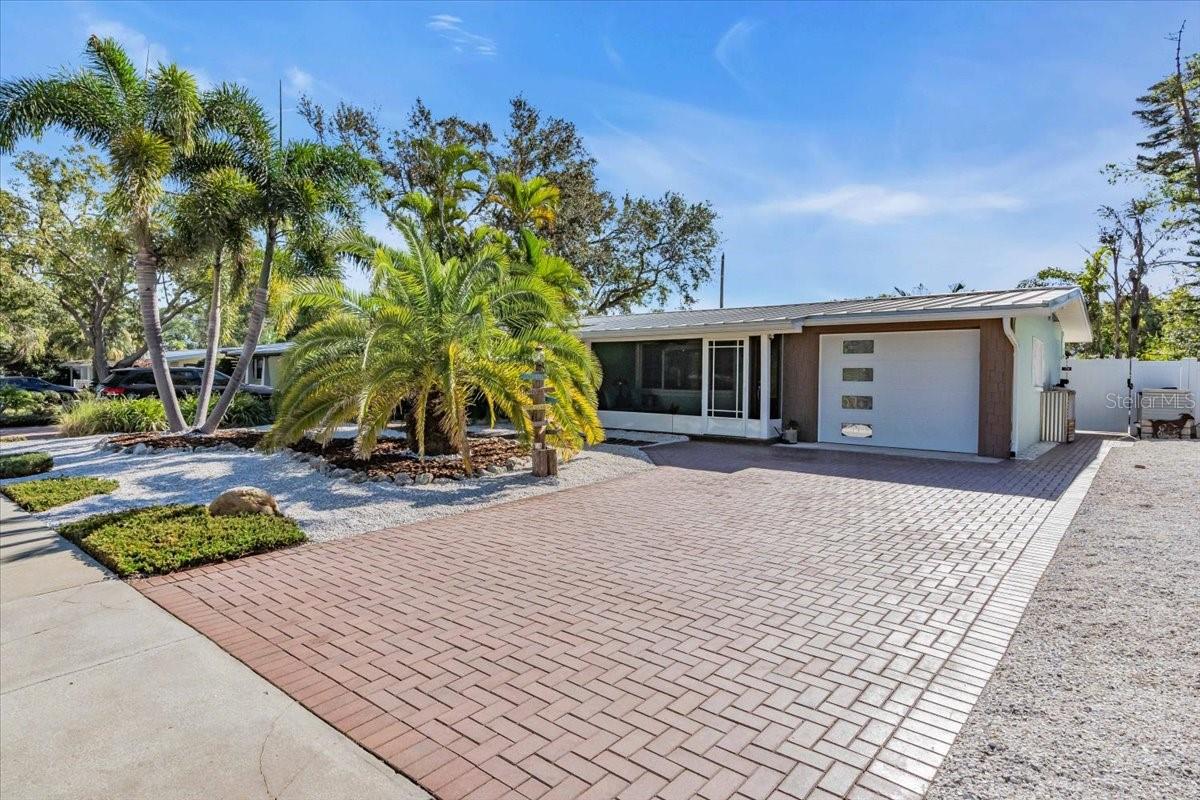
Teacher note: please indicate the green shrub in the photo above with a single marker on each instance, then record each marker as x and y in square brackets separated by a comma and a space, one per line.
[160, 539]
[19, 465]
[246, 411]
[22, 407]
[52, 492]
[113, 415]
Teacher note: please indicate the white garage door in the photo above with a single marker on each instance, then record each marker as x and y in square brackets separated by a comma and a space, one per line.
[913, 390]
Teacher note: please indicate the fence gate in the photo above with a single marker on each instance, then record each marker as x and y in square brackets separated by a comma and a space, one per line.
[1101, 398]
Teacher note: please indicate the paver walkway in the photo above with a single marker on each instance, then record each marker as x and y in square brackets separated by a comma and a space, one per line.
[744, 622]
[104, 695]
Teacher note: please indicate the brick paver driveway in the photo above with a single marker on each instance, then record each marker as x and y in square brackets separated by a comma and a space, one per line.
[743, 622]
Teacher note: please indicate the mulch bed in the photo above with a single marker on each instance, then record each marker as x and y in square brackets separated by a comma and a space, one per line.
[390, 456]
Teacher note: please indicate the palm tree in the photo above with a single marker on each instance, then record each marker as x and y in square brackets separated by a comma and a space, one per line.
[433, 334]
[530, 204]
[143, 122]
[216, 214]
[300, 190]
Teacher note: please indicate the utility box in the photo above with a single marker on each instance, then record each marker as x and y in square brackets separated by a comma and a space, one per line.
[1058, 414]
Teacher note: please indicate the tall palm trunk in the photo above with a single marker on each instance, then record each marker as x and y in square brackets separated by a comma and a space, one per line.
[146, 269]
[258, 316]
[98, 342]
[214, 338]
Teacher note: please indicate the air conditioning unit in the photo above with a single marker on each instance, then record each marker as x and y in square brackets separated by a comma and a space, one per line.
[1058, 415]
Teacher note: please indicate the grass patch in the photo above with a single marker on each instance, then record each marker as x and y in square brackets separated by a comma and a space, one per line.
[13, 437]
[52, 492]
[161, 539]
[21, 464]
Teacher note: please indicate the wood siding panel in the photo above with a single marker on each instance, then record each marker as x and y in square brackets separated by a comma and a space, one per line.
[800, 376]
[799, 381]
[995, 390]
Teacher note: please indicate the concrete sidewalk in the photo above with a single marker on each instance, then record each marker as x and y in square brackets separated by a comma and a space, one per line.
[103, 694]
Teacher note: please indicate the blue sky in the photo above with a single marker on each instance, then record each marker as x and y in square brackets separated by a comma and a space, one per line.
[848, 147]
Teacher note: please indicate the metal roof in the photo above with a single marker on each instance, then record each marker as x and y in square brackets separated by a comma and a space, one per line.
[1007, 302]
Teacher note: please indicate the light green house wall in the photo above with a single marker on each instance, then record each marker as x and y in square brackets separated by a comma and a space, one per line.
[1028, 386]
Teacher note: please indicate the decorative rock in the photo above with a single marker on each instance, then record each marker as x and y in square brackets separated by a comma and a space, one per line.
[441, 480]
[358, 477]
[243, 500]
[512, 463]
[496, 469]
[402, 479]
[424, 479]
[139, 449]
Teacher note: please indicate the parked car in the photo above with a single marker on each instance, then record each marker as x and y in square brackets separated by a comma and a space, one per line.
[139, 382]
[38, 385]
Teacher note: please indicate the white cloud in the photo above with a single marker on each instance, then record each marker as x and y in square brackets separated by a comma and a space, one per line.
[450, 28]
[730, 48]
[297, 82]
[872, 204]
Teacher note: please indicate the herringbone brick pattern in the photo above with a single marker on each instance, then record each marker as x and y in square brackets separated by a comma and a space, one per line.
[743, 622]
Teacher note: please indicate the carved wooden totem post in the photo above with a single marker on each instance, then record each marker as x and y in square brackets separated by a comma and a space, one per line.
[545, 459]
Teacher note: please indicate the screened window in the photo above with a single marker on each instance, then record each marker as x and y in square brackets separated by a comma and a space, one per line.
[859, 402]
[656, 377]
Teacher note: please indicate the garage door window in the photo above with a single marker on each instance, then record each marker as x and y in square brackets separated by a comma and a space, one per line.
[858, 374]
[858, 347]
[856, 430]
[859, 402]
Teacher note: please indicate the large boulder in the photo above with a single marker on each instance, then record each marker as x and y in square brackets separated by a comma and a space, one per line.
[244, 500]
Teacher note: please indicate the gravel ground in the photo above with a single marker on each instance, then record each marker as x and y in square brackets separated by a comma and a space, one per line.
[325, 508]
[1098, 697]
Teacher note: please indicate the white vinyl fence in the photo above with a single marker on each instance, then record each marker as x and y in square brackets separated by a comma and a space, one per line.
[1100, 392]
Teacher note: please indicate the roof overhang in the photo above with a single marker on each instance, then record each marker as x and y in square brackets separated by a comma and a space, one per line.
[1068, 309]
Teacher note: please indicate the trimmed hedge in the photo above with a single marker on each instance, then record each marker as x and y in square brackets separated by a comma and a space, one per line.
[161, 539]
[21, 464]
[48, 493]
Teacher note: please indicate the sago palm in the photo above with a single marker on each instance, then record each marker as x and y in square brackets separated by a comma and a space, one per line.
[433, 335]
[143, 122]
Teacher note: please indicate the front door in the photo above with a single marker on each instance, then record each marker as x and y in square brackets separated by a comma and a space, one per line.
[727, 387]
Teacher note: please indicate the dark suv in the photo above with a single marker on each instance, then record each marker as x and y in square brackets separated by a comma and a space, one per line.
[138, 382]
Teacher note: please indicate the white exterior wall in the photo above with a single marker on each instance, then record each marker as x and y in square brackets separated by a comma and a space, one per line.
[1027, 386]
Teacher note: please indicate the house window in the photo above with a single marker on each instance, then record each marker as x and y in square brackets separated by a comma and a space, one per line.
[858, 402]
[726, 375]
[856, 430]
[858, 373]
[259, 370]
[858, 347]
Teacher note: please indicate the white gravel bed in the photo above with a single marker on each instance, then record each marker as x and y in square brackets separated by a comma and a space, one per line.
[1098, 696]
[326, 508]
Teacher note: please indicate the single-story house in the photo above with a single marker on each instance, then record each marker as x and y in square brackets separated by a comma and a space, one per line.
[957, 372]
[264, 367]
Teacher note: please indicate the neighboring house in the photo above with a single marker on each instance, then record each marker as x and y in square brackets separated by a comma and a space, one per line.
[957, 372]
[264, 367]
